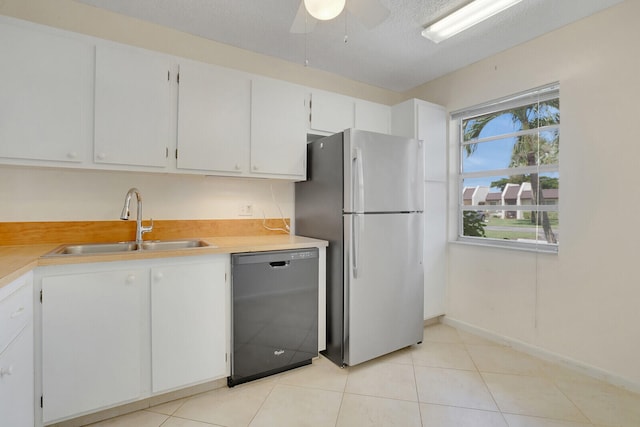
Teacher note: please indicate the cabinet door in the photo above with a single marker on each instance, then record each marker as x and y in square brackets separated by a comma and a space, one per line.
[404, 118]
[16, 381]
[188, 323]
[372, 116]
[132, 107]
[92, 334]
[45, 91]
[331, 112]
[214, 119]
[16, 353]
[435, 248]
[432, 120]
[16, 308]
[278, 129]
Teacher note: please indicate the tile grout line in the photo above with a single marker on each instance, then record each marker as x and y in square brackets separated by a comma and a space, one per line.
[466, 349]
[262, 404]
[415, 379]
[339, 408]
[344, 389]
[542, 375]
[572, 402]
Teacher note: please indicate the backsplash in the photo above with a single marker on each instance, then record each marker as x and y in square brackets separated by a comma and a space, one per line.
[41, 232]
[42, 194]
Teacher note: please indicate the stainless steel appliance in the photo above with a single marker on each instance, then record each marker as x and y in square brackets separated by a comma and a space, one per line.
[274, 312]
[364, 194]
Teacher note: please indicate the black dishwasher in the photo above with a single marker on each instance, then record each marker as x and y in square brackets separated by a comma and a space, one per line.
[274, 312]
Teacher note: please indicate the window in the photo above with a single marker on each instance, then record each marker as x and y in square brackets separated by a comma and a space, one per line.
[509, 171]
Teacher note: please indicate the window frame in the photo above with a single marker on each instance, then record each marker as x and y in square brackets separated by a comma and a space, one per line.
[536, 95]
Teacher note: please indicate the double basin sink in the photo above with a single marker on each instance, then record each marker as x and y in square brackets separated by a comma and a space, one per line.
[124, 247]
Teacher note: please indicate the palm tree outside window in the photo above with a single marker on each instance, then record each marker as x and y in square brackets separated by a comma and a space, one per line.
[509, 178]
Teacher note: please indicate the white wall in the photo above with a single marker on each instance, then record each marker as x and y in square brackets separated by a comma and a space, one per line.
[583, 304]
[41, 194]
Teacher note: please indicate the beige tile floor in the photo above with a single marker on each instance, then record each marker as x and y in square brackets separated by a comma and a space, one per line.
[452, 379]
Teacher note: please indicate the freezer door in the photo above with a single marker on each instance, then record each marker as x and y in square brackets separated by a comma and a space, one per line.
[384, 284]
[382, 173]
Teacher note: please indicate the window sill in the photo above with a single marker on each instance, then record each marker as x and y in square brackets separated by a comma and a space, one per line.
[510, 246]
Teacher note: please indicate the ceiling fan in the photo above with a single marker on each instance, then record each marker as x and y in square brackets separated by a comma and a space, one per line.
[369, 12]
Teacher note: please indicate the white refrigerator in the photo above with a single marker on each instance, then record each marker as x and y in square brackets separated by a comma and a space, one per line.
[364, 194]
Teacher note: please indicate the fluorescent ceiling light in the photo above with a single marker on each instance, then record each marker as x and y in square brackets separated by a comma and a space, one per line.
[466, 17]
[324, 9]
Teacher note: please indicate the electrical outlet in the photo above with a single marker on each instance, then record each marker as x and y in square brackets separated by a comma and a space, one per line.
[246, 209]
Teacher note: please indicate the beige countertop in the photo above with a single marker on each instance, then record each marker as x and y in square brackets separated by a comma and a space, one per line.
[19, 259]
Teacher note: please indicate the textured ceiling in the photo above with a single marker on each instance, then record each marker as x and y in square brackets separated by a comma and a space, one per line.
[392, 55]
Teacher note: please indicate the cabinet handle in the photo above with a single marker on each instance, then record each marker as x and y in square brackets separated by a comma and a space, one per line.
[72, 155]
[158, 276]
[255, 168]
[237, 167]
[131, 279]
[17, 313]
[102, 156]
[6, 371]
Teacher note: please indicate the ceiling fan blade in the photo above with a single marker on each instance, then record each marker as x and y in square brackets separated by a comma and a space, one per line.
[369, 12]
[303, 22]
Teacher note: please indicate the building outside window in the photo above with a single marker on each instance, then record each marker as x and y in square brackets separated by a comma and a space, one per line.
[509, 181]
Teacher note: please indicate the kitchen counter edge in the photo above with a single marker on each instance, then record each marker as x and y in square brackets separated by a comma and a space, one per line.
[18, 260]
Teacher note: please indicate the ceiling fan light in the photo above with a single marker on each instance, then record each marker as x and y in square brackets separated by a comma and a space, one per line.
[465, 17]
[324, 9]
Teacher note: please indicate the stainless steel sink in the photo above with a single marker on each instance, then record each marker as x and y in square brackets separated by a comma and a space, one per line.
[169, 245]
[120, 247]
[94, 248]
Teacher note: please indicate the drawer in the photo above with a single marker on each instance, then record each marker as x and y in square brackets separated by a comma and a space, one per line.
[16, 310]
[16, 382]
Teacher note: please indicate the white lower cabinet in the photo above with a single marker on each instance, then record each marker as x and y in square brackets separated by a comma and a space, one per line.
[188, 311]
[16, 381]
[16, 353]
[92, 325]
[118, 332]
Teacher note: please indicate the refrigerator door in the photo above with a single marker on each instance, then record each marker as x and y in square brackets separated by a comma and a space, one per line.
[384, 284]
[382, 173]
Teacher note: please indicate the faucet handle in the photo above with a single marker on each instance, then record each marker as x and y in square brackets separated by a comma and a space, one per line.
[147, 228]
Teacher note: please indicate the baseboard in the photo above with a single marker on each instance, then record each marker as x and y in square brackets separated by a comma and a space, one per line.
[433, 321]
[544, 354]
[141, 404]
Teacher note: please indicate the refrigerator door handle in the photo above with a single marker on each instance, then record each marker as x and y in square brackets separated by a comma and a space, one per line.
[357, 228]
[358, 181]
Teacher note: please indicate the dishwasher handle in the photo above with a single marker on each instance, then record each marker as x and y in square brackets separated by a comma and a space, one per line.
[279, 264]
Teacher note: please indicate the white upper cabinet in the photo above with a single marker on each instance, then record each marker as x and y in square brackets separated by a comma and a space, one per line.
[432, 130]
[278, 129]
[133, 107]
[426, 121]
[214, 119]
[372, 116]
[45, 93]
[71, 100]
[331, 112]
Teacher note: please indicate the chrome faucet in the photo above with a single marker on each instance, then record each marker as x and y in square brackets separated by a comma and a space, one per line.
[140, 229]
